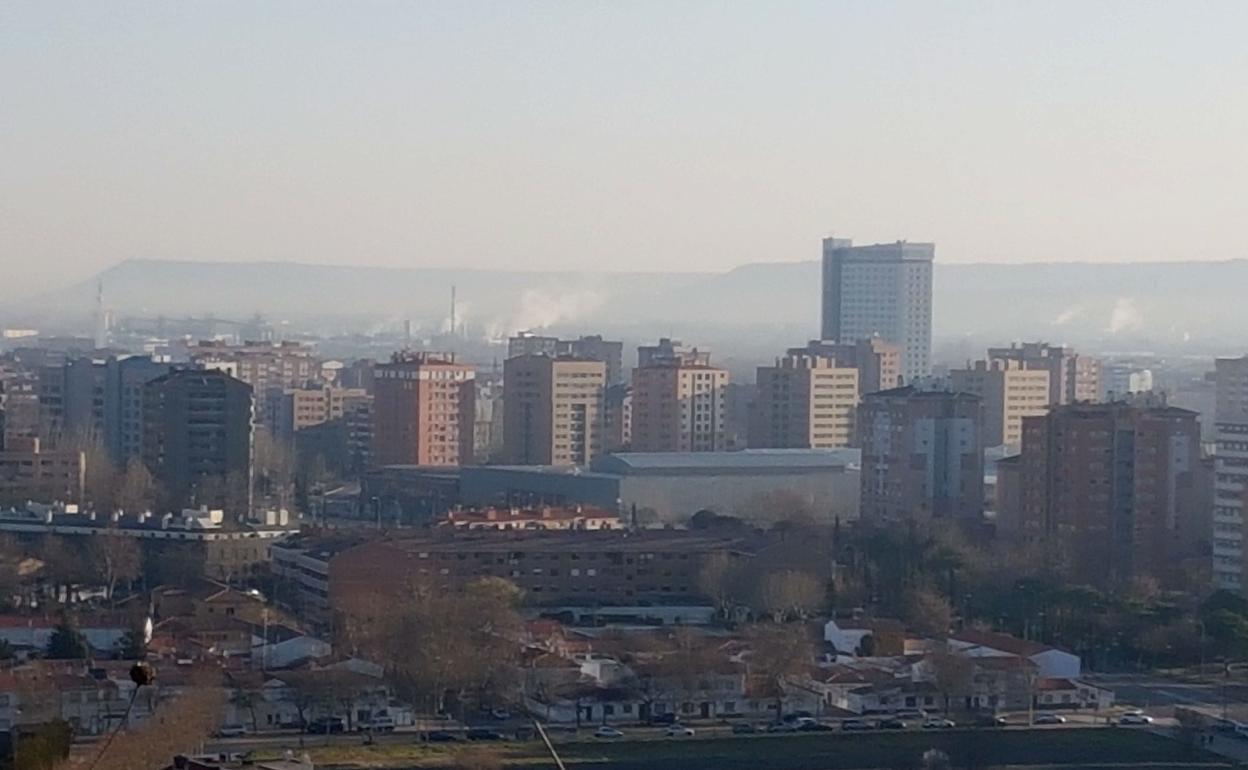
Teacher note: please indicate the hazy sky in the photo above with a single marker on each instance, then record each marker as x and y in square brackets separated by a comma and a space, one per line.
[674, 134]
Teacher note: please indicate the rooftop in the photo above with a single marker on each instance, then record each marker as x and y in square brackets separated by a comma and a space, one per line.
[1002, 642]
[630, 463]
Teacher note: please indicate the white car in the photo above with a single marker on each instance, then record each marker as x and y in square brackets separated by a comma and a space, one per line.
[679, 731]
[378, 725]
[231, 731]
[1135, 719]
[608, 732]
[936, 723]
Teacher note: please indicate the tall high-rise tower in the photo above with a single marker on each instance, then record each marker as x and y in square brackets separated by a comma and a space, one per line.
[884, 291]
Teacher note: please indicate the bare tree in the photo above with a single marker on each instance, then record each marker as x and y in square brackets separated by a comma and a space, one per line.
[115, 558]
[928, 612]
[64, 566]
[785, 594]
[136, 489]
[467, 641]
[778, 653]
[719, 580]
[776, 506]
[185, 721]
[953, 675]
[274, 470]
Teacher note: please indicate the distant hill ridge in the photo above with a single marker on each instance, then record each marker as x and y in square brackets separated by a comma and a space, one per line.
[1053, 300]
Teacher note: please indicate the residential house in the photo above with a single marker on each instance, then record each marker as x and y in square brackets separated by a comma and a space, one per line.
[1050, 661]
[847, 637]
[1058, 693]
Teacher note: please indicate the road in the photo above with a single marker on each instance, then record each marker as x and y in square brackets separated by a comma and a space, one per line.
[1159, 695]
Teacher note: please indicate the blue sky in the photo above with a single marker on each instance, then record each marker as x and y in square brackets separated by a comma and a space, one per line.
[680, 134]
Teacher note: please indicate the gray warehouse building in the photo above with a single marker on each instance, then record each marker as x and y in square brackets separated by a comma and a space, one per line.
[671, 486]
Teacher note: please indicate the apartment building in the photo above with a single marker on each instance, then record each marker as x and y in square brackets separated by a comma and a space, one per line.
[424, 410]
[30, 472]
[1008, 392]
[922, 457]
[198, 436]
[1230, 547]
[1073, 378]
[878, 362]
[678, 401]
[1118, 491]
[804, 402]
[553, 410]
[589, 347]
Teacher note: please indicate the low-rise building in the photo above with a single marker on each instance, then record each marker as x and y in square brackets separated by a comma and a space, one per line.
[551, 568]
[543, 518]
[227, 553]
[1050, 662]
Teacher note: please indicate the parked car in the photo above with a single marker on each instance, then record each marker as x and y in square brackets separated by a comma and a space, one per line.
[378, 725]
[231, 731]
[911, 714]
[1135, 719]
[743, 728]
[327, 726]
[679, 731]
[500, 714]
[1049, 719]
[893, 724]
[483, 734]
[856, 725]
[441, 736]
[813, 727]
[783, 727]
[937, 723]
[608, 732]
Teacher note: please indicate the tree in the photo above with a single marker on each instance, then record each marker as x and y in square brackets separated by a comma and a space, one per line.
[784, 594]
[46, 748]
[136, 490]
[115, 558]
[718, 580]
[928, 613]
[953, 675]
[778, 652]
[100, 475]
[441, 646]
[64, 566]
[244, 699]
[66, 643]
[776, 506]
[187, 720]
[274, 469]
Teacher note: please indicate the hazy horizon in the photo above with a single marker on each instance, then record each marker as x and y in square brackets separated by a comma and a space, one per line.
[591, 136]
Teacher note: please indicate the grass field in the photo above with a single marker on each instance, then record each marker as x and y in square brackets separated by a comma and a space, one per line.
[1082, 749]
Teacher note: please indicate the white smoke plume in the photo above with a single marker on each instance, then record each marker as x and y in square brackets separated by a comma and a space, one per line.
[1068, 315]
[1126, 316]
[541, 310]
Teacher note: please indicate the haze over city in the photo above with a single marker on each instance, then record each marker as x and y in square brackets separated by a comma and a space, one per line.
[567, 135]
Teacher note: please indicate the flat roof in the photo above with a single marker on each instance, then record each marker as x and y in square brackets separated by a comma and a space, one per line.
[773, 460]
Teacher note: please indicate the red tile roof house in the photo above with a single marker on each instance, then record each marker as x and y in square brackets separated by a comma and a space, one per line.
[1050, 662]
